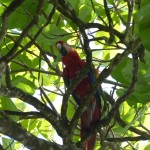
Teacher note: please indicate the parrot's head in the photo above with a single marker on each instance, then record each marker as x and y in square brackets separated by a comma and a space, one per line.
[63, 48]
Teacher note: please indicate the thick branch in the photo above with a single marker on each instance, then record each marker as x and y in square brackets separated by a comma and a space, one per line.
[104, 28]
[124, 139]
[15, 131]
[46, 111]
[25, 115]
[110, 21]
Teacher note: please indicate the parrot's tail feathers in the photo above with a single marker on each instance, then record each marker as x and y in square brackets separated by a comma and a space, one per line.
[91, 143]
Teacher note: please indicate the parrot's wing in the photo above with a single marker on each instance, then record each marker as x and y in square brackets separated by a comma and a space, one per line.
[97, 94]
[76, 98]
[67, 83]
[92, 79]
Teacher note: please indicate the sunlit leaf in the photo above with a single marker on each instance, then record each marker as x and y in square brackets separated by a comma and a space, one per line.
[143, 23]
[85, 13]
[70, 110]
[147, 147]
[45, 129]
[24, 84]
[7, 142]
[8, 104]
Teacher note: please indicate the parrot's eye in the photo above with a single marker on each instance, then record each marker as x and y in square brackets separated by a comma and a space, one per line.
[61, 49]
[59, 45]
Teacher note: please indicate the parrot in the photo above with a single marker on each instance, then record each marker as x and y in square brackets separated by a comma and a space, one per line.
[72, 65]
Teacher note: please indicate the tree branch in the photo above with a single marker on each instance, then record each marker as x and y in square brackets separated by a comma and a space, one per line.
[50, 116]
[7, 57]
[124, 139]
[8, 11]
[15, 131]
[110, 21]
[123, 123]
[25, 115]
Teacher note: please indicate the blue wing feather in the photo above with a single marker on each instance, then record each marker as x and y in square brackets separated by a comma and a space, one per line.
[97, 94]
[93, 79]
[67, 82]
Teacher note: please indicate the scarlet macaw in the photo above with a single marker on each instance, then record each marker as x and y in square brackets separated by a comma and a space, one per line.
[73, 64]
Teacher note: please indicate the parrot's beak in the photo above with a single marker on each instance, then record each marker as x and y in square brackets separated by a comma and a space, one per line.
[63, 51]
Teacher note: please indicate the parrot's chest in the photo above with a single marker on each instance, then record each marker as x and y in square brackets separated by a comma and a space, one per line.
[72, 71]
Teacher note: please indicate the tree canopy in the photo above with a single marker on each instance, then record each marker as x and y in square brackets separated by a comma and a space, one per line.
[36, 110]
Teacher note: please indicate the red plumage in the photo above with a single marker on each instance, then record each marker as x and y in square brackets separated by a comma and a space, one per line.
[73, 64]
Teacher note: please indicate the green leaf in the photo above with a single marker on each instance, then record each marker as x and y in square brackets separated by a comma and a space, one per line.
[33, 124]
[6, 1]
[70, 110]
[24, 84]
[24, 13]
[85, 13]
[25, 123]
[45, 129]
[143, 24]
[76, 137]
[8, 104]
[53, 34]
[74, 4]
[1, 11]
[5, 45]
[52, 96]
[145, 2]
[100, 11]
[20, 105]
[123, 72]
[140, 114]
[111, 1]
[46, 80]
[147, 147]
[127, 113]
[24, 62]
[9, 143]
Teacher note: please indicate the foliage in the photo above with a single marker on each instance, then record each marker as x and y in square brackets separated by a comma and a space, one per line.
[111, 35]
